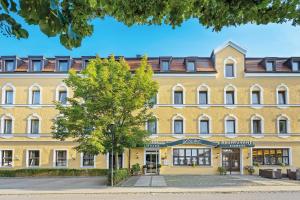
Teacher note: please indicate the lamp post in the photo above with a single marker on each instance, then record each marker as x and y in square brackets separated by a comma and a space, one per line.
[110, 129]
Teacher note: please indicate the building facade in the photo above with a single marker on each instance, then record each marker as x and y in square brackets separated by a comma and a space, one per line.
[223, 110]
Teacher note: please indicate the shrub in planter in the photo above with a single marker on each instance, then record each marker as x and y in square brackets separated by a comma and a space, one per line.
[256, 164]
[136, 169]
[250, 169]
[119, 176]
[222, 170]
[145, 169]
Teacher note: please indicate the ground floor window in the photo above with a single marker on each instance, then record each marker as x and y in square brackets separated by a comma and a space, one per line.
[187, 157]
[33, 158]
[88, 160]
[270, 156]
[6, 158]
[61, 158]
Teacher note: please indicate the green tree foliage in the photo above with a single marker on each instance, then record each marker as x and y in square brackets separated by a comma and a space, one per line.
[71, 19]
[107, 98]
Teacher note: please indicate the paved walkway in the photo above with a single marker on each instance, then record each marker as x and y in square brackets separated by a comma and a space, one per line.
[151, 181]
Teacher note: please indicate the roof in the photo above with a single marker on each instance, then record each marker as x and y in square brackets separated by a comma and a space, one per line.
[231, 44]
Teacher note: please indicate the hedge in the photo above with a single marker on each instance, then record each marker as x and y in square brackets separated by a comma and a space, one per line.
[119, 176]
[52, 172]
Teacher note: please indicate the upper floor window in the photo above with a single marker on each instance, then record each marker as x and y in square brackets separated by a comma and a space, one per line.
[8, 94]
[190, 66]
[203, 97]
[283, 125]
[256, 124]
[36, 97]
[62, 94]
[296, 66]
[178, 97]
[152, 126]
[256, 94]
[230, 125]
[229, 97]
[282, 94]
[9, 65]
[204, 125]
[6, 158]
[34, 124]
[153, 99]
[62, 97]
[270, 66]
[63, 65]
[36, 65]
[178, 124]
[7, 126]
[229, 70]
[255, 97]
[165, 65]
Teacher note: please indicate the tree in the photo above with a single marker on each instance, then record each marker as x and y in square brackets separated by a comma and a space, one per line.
[71, 19]
[107, 98]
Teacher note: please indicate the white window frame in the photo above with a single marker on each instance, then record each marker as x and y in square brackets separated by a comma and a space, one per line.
[174, 88]
[30, 90]
[203, 87]
[257, 87]
[257, 117]
[27, 158]
[231, 117]
[175, 117]
[36, 59]
[286, 89]
[54, 158]
[81, 162]
[157, 129]
[5, 87]
[205, 117]
[33, 116]
[234, 67]
[61, 87]
[3, 117]
[12, 162]
[226, 88]
[288, 124]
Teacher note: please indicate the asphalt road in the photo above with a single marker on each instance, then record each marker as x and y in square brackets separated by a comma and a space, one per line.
[159, 196]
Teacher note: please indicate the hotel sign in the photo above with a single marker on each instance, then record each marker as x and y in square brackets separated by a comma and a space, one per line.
[236, 144]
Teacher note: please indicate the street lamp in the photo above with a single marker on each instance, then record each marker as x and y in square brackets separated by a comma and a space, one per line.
[111, 132]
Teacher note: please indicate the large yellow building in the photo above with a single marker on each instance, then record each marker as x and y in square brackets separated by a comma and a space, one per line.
[224, 110]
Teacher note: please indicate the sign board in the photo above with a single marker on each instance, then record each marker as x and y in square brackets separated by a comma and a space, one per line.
[236, 144]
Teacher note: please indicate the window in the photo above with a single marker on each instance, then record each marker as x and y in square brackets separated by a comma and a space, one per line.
[283, 126]
[33, 158]
[230, 126]
[9, 96]
[34, 126]
[178, 126]
[7, 126]
[281, 97]
[165, 65]
[9, 66]
[204, 126]
[255, 97]
[153, 100]
[88, 160]
[270, 66]
[62, 97]
[229, 70]
[229, 97]
[63, 65]
[256, 123]
[190, 66]
[35, 97]
[296, 66]
[152, 126]
[178, 97]
[203, 98]
[192, 157]
[270, 156]
[61, 158]
[36, 65]
[6, 158]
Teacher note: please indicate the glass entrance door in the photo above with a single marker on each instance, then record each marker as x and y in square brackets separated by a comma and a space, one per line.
[152, 157]
[231, 160]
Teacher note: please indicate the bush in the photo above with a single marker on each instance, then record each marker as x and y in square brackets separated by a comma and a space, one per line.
[52, 172]
[135, 169]
[250, 169]
[119, 176]
[222, 170]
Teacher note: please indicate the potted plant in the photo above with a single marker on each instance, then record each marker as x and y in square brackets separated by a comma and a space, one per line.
[256, 164]
[145, 169]
[222, 170]
[158, 168]
[282, 164]
[250, 169]
[135, 169]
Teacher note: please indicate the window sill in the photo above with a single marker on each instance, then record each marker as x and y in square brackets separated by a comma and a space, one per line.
[6, 136]
[178, 106]
[33, 135]
[35, 106]
[8, 106]
[230, 135]
[257, 106]
[282, 106]
[230, 106]
[284, 135]
[231, 77]
[204, 106]
[257, 135]
[178, 135]
[205, 135]
[153, 136]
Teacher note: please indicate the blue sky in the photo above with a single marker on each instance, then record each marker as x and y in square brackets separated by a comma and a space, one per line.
[190, 39]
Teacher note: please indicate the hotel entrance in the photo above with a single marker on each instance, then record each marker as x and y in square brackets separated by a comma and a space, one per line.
[231, 160]
[151, 161]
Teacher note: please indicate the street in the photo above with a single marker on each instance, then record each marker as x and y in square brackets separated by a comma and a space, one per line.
[165, 196]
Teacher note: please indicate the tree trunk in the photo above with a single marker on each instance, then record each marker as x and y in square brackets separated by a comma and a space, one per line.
[117, 160]
[129, 158]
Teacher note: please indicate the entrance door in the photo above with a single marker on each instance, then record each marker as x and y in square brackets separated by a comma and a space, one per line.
[152, 157]
[231, 160]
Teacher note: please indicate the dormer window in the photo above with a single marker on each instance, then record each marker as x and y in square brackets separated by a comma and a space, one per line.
[165, 65]
[86, 62]
[36, 65]
[9, 65]
[229, 70]
[63, 65]
[190, 66]
[270, 66]
[296, 66]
